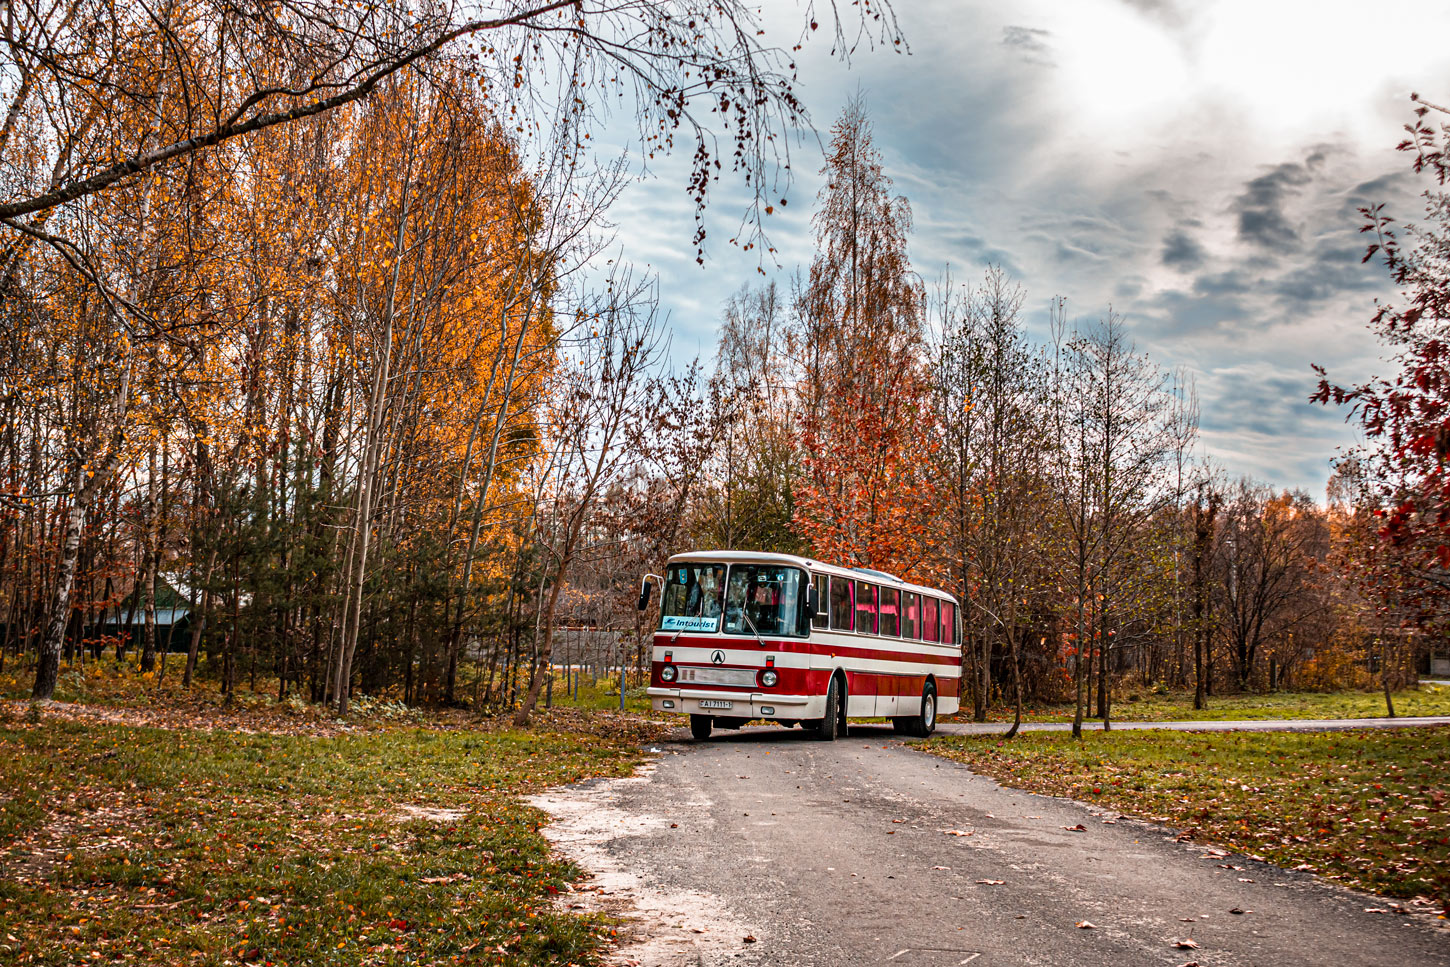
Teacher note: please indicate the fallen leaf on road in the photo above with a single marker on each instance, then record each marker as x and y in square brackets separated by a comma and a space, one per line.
[1237, 910]
[1079, 828]
[1188, 943]
[941, 867]
[1085, 925]
[750, 938]
[995, 883]
[959, 832]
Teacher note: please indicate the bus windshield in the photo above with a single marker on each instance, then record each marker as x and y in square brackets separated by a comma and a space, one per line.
[763, 599]
[693, 596]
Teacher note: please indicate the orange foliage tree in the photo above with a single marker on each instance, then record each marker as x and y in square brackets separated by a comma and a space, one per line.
[866, 493]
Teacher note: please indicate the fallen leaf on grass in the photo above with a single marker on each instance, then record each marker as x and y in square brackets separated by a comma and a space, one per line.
[1187, 943]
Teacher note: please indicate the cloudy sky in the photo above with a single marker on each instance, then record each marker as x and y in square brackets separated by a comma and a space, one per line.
[1196, 165]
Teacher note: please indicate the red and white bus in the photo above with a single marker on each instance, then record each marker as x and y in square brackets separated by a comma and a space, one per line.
[745, 635]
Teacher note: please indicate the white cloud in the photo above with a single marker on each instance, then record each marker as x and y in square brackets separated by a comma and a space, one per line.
[1079, 144]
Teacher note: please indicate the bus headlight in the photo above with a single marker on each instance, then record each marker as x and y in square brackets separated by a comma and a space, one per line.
[667, 674]
[768, 678]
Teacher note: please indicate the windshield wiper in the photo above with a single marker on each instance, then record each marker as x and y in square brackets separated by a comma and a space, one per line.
[746, 615]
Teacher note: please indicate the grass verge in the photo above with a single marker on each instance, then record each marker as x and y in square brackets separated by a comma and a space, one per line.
[1131, 706]
[128, 844]
[1366, 808]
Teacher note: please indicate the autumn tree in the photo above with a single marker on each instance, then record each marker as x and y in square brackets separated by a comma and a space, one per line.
[108, 109]
[600, 397]
[758, 464]
[1270, 545]
[987, 387]
[1406, 417]
[865, 492]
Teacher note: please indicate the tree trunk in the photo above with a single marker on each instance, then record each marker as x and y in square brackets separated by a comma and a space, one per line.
[1016, 650]
[152, 562]
[198, 624]
[47, 669]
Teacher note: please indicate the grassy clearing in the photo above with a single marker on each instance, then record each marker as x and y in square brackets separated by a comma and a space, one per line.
[602, 695]
[209, 847]
[1367, 808]
[1146, 706]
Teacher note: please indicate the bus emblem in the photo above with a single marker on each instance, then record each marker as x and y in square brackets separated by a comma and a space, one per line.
[717, 658]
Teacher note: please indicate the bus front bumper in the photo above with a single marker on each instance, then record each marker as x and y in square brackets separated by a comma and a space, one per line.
[743, 705]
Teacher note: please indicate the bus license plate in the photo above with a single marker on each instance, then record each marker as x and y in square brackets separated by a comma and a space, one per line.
[715, 703]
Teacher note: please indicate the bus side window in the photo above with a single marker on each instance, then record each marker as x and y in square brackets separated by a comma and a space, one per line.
[842, 604]
[865, 608]
[911, 616]
[948, 623]
[929, 619]
[890, 612]
[823, 601]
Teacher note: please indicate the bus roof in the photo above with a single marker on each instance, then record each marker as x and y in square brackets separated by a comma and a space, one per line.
[809, 564]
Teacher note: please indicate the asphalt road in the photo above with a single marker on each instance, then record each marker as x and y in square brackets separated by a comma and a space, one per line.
[764, 847]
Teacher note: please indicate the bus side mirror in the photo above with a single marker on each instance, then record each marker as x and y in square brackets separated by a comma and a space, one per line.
[644, 589]
[813, 603]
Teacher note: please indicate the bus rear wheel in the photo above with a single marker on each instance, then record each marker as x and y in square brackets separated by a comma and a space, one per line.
[923, 723]
[700, 726]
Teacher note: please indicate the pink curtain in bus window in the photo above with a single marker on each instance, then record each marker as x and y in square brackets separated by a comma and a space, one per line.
[912, 627]
[890, 610]
[865, 608]
[948, 623]
[928, 619]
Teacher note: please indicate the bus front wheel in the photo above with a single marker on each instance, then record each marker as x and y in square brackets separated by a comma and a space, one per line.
[700, 727]
[830, 724]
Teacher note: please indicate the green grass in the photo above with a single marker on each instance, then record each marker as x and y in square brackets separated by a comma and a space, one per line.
[602, 695]
[210, 847]
[1368, 808]
[1142, 705]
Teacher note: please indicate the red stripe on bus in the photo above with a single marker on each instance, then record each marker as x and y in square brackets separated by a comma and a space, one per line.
[808, 647]
[814, 681]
